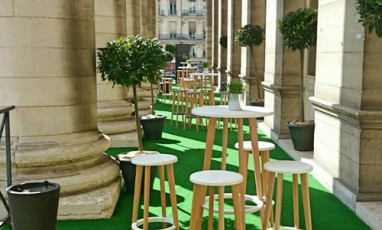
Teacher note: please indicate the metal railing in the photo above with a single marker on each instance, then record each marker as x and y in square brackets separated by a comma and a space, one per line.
[5, 126]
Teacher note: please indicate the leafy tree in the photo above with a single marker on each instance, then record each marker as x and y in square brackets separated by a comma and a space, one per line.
[130, 60]
[249, 36]
[370, 12]
[299, 32]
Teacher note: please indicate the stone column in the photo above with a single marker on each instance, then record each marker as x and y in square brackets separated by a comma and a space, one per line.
[114, 109]
[222, 52]
[211, 38]
[48, 73]
[253, 13]
[233, 50]
[281, 83]
[348, 105]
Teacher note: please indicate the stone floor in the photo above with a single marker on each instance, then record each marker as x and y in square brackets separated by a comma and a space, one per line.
[369, 212]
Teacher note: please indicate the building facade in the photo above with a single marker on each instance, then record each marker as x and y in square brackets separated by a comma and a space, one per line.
[183, 23]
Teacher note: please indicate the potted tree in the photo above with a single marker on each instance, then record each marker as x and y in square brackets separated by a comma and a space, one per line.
[223, 43]
[128, 61]
[299, 31]
[205, 66]
[235, 95]
[370, 15]
[250, 36]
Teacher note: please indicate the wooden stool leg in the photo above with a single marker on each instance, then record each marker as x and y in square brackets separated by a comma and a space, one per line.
[295, 202]
[264, 159]
[162, 193]
[172, 109]
[211, 200]
[278, 200]
[238, 207]
[268, 204]
[306, 201]
[221, 208]
[137, 192]
[171, 182]
[197, 209]
[146, 198]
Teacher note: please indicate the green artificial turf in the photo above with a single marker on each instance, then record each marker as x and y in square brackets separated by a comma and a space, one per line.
[188, 145]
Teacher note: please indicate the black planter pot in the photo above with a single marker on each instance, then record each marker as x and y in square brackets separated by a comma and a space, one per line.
[128, 173]
[153, 127]
[33, 206]
[302, 136]
[257, 103]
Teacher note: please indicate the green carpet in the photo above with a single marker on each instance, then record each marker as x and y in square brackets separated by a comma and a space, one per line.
[188, 145]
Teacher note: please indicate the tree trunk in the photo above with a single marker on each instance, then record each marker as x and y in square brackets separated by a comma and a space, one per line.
[137, 119]
[302, 117]
[256, 75]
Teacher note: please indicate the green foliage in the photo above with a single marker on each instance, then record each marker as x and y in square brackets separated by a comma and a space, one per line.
[235, 87]
[223, 41]
[188, 61]
[370, 12]
[128, 61]
[249, 35]
[205, 64]
[171, 48]
[299, 28]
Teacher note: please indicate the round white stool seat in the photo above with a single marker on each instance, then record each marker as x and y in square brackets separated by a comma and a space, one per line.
[193, 92]
[263, 146]
[154, 159]
[285, 166]
[216, 178]
[179, 90]
[136, 225]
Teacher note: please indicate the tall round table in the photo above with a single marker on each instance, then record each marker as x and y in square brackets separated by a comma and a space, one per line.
[248, 112]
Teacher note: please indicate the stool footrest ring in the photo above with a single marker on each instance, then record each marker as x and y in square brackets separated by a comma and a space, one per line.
[247, 208]
[136, 225]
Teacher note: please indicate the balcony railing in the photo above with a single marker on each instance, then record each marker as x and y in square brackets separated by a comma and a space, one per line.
[194, 13]
[190, 36]
[5, 125]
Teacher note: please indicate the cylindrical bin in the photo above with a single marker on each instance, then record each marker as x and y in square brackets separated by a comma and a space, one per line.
[33, 206]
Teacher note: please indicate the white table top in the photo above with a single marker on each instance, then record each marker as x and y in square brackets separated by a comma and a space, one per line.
[203, 74]
[187, 67]
[223, 112]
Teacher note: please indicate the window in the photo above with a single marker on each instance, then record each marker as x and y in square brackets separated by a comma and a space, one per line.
[172, 29]
[172, 7]
[192, 29]
[192, 7]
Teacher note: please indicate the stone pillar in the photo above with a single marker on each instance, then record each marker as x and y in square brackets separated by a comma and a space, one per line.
[211, 38]
[253, 13]
[233, 50]
[348, 105]
[281, 74]
[48, 73]
[222, 52]
[132, 17]
[114, 109]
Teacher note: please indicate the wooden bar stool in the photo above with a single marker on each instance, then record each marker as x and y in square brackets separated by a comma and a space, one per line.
[288, 167]
[146, 162]
[166, 88]
[212, 179]
[178, 105]
[264, 148]
[192, 101]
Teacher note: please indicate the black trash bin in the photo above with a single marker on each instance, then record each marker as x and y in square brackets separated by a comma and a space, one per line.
[33, 206]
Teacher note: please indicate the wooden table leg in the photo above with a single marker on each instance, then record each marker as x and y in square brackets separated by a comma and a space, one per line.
[209, 143]
[224, 143]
